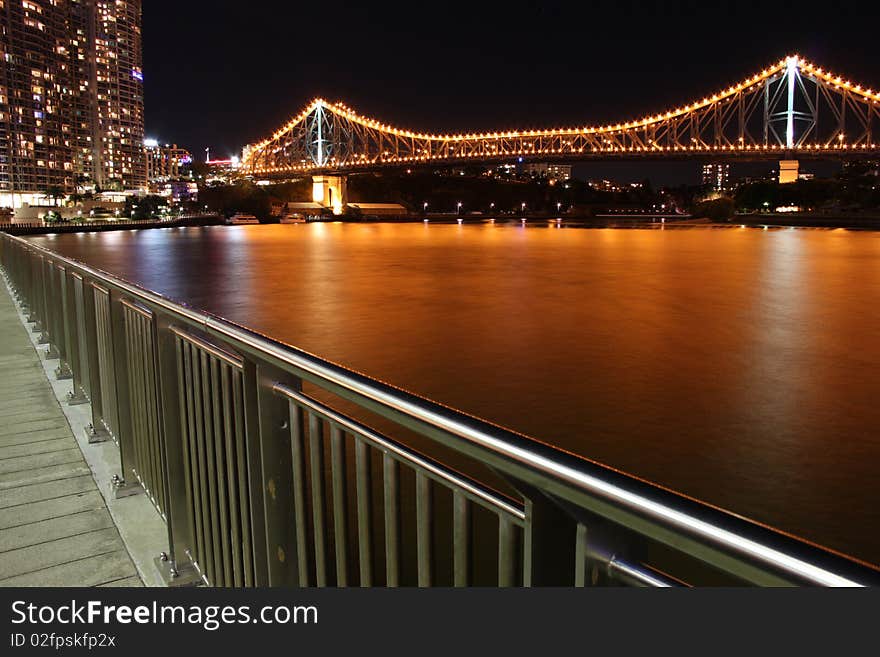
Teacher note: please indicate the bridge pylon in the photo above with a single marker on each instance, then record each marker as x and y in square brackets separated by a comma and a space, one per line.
[789, 171]
[331, 192]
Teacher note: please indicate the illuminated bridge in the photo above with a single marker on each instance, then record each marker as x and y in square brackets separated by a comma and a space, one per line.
[791, 110]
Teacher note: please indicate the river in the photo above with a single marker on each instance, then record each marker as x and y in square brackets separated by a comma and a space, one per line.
[737, 365]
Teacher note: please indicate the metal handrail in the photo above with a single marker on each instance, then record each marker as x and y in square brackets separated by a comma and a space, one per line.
[551, 480]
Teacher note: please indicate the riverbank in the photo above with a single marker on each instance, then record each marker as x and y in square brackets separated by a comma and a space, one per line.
[810, 220]
[95, 226]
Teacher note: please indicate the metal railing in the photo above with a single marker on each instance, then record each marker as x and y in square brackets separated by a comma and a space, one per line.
[261, 483]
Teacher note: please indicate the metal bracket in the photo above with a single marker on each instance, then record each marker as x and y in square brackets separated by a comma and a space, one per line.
[63, 372]
[175, 575]
[76, 397]
[37, 327]
[96, 435]
[121, 488]
[43, 338]
[51, 353]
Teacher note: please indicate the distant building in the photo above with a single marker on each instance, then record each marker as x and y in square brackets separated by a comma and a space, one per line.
[71, 98]
[502, 171]
[168, 162]
[553, 172]
[605, 186]
[177, 191]
[223, 172]
[716, 176]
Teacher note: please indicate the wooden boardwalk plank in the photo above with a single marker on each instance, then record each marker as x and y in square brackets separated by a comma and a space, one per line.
[40, 447]
[27, 437]
[64, 550]
[57, 422]
[88, 571]
[128, 582]
[39, 533]
[57, 507]
[47, 491]
[40, 475]
[35, 461]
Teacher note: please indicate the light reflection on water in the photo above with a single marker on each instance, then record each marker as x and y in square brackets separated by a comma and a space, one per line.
[738, 366]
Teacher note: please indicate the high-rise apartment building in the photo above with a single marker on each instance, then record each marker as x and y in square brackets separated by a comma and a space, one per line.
[716, 176]
[164, 163]
[71, 97]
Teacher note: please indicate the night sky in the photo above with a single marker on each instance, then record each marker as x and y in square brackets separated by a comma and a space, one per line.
[222, 74]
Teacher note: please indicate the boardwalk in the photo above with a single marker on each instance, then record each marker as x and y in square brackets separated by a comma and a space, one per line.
[55, 529]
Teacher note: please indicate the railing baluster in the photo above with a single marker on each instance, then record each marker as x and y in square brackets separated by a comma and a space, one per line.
[191, 440]
[297, 446]
[221, 459]
[461, 538]
[424, 529]
[390, 470]
[153, 415]
[364, 511]
[237, 548]
[316, 459]
[340, 538]
[241, 457]
[580, 556]
[210, 469]
[207, 553]
[506, 552]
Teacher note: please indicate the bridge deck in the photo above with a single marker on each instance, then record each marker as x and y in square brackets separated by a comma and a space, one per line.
[55, 528]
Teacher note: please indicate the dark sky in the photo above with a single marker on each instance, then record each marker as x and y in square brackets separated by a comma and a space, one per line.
[222, 73]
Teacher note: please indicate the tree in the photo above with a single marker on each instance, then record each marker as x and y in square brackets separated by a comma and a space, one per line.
[55, 192]
[719, 209]
[147, 207]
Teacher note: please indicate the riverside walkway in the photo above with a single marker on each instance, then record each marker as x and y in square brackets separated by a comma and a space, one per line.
[55, 528]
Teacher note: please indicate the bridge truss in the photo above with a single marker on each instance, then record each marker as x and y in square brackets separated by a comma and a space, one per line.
[792, 109]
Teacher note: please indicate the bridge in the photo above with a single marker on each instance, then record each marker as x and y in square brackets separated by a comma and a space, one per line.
[789, 111]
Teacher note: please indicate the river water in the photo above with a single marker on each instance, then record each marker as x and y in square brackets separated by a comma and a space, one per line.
[739, 366]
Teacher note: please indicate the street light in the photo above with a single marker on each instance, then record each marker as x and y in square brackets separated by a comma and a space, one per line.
[523, 206]
[425, 206]
[459, 207]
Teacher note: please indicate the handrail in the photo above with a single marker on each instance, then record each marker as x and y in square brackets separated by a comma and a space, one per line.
[576, 483]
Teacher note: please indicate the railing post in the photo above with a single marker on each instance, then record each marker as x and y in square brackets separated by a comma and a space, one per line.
[176, 566]
[73, 308]
[95, 432]
[120, 365]
[269, 420]
[63, 372]
[550, 545]
[39, 306]
[49, 337]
